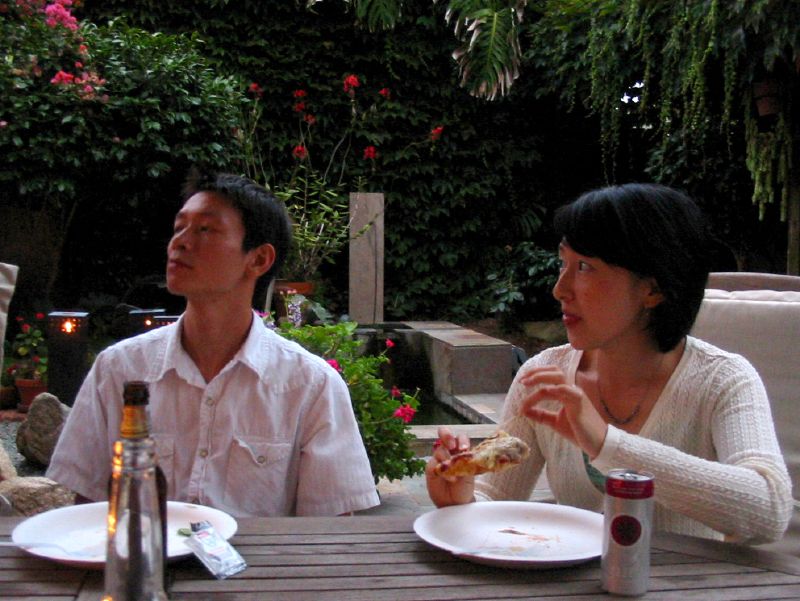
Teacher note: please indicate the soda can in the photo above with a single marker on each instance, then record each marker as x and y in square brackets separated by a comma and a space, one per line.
[628, 519]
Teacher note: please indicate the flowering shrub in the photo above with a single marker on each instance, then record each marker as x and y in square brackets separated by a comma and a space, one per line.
[316, 193]
[383, 414]
[98, 121]
[29, 352]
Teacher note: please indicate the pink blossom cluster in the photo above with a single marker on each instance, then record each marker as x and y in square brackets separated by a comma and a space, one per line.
[57, 13]
[405, 412]
[85, 84]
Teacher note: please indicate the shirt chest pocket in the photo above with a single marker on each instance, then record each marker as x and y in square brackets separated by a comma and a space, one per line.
[257, 474]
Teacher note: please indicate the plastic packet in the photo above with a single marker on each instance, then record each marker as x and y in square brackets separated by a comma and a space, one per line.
[217, 554]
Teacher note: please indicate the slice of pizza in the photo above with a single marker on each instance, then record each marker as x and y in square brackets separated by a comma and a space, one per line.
[495, 454]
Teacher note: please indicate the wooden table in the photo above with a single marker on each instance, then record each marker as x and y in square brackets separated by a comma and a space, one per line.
[380, 558]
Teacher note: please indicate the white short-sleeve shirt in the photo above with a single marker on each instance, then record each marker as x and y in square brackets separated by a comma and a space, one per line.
[272, 434]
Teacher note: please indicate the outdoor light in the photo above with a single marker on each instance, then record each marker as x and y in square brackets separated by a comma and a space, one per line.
[65, 325]
[68, 346]
[164, 320]
[142, 320]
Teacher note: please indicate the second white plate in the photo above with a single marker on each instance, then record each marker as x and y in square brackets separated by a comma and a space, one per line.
[79, 531]
[515, 534]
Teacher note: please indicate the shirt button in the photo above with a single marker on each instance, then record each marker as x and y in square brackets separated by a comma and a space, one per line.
[209, 401]
[203, 452]
[261, 459]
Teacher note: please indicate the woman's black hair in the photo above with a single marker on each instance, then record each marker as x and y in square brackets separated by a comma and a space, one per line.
[264, 218]
[655, 232]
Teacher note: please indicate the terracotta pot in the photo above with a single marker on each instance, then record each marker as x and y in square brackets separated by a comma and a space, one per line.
[28, 390]
[8, 397]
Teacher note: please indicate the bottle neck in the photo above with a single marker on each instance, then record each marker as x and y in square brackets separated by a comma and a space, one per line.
[135, 424]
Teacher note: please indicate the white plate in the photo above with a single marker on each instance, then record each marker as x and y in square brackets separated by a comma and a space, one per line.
[80, 531]
[515, 534]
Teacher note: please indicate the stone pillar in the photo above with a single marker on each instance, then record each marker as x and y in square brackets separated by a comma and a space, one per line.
[366, 257]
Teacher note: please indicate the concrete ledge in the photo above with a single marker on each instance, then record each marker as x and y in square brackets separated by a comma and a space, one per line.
[467, 362]
[426, 435]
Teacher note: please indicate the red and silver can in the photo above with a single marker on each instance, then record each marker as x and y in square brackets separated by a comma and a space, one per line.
[628, 517]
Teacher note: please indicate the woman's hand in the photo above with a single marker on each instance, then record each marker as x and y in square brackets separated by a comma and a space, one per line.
[577, 419]
[448, 490]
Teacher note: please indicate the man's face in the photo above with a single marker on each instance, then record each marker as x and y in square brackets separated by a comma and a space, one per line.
[205, 257]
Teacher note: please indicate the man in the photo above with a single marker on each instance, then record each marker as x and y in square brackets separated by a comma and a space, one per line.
[243, 419]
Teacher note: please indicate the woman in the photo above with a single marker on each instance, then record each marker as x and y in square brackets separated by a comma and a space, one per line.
[632, 389]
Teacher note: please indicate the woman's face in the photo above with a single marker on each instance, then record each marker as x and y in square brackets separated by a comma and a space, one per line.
[602, 305]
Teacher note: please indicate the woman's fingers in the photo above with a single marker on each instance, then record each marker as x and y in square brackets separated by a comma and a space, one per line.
[453, 443]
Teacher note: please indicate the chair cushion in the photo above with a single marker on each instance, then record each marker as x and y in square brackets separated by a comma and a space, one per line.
[764, 327]
[8, 280]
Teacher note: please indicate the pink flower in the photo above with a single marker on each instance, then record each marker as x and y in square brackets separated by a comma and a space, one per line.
[58, 14]
[26, 328]
[396, 392]
[40, 316]
[370, 152]
[335, 365]
[299, 94]
[385, 92]
[389, 343]
[351, 83]
[83, 49]
[299, 107]
[299, 152]
[436, 132]
[62, 77]
[310, 119]
[405, 412]
[78, 65]
[3, 124]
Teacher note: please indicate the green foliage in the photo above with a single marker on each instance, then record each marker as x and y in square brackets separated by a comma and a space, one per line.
[379, 411]
[489, 61]
[448, 201]
[105, 118]
[320, 224]
[522, 287]
[29, 352]
[695, 62]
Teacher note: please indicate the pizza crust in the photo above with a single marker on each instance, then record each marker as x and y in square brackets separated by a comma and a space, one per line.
[495, 454]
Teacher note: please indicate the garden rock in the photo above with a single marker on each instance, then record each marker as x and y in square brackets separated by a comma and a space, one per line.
[35, 494]
[7, 469]
[38, 434]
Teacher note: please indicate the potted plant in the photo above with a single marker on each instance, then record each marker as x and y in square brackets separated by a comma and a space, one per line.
[316, 193]
[29, 367]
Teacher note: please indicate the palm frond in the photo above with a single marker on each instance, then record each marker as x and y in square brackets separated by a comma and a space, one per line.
[378, 14]
[489, 57]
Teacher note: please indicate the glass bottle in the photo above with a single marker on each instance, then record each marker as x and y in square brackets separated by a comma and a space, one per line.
[137, 517]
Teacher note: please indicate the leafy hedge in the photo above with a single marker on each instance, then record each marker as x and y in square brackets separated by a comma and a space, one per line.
[99, 126]
[453, 203]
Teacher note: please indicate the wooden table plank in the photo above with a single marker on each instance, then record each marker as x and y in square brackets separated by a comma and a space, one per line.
[379, 558]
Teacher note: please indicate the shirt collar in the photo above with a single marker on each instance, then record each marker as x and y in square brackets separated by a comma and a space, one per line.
[171, 354]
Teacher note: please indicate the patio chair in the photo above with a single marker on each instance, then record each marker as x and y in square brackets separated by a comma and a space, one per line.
[764, 326]
[8, 280]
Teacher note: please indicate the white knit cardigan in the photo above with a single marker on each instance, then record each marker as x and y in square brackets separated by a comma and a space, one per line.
[709, 441]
